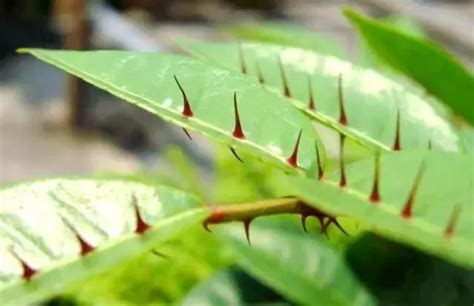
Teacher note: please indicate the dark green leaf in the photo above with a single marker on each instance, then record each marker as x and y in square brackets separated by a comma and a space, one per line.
[440, 73]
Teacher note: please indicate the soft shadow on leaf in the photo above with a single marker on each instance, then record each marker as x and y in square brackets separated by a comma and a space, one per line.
[399, 275]
[232, 286]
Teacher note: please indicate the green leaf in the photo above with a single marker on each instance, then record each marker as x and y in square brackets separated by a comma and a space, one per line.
[371, 101]
[443, 199]
[400, 275]
[467, 137]
[270, 125]
[67, 229]
[220, 289]
[302, 268]
[289, 35]
[440, 73]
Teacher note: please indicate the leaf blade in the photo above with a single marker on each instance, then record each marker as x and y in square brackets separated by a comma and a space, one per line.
[444, 188]
[44, 234]
[304, 269]
[371, 100]
[146, 80]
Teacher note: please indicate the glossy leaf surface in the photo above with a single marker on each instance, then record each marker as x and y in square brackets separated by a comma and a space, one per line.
[58, 231]
[370, 101]
[270, 126]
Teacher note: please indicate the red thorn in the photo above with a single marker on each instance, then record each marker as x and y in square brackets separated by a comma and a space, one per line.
[236, 155]
[396, 143]
[85, 247]
[28, 272]
[187, 134]
[243, 67]
[310, 94]
[141, 226]
[342, 180]
[286, 89]
[293, 159]
[247, 229]
[261, 79]
[320, 165]
[187, 112]
[375, 196]
[215, 217]
[238, 132]
[453, 220]
[407, 210]
[342, 115]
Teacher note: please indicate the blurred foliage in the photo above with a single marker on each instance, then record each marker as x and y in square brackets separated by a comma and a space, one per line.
[287, 34]
[232, 286]
[422, 60]
[399, 275]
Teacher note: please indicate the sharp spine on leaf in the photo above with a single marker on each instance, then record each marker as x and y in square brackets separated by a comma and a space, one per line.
[141, 225]
[238, 132]
[453, 220]
[187, 112]
[318, 160]
[396, 143]
[310, 95]
[187, 134]
[375, 195]
[342, 111]
[261, 79]
[342, 180]
[293, 159]
[28, 272]
[243, 67]
[236, 155]
[85, 247]
[286, 89]
[247, 229]
[407, 210]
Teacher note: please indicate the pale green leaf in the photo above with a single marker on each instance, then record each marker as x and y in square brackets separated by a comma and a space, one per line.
[371, 100]
[44, 225]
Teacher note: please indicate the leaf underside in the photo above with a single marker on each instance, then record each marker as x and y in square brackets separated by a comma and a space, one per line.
[58, 231]
[269, 126]
[302, 268]
[440, 73]
[439, 220]
[371, 102]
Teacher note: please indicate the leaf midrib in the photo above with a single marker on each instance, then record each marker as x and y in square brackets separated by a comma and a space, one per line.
[173, 116]
[354, 134]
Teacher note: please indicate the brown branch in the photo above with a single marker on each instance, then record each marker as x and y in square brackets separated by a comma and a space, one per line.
[248, 211]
